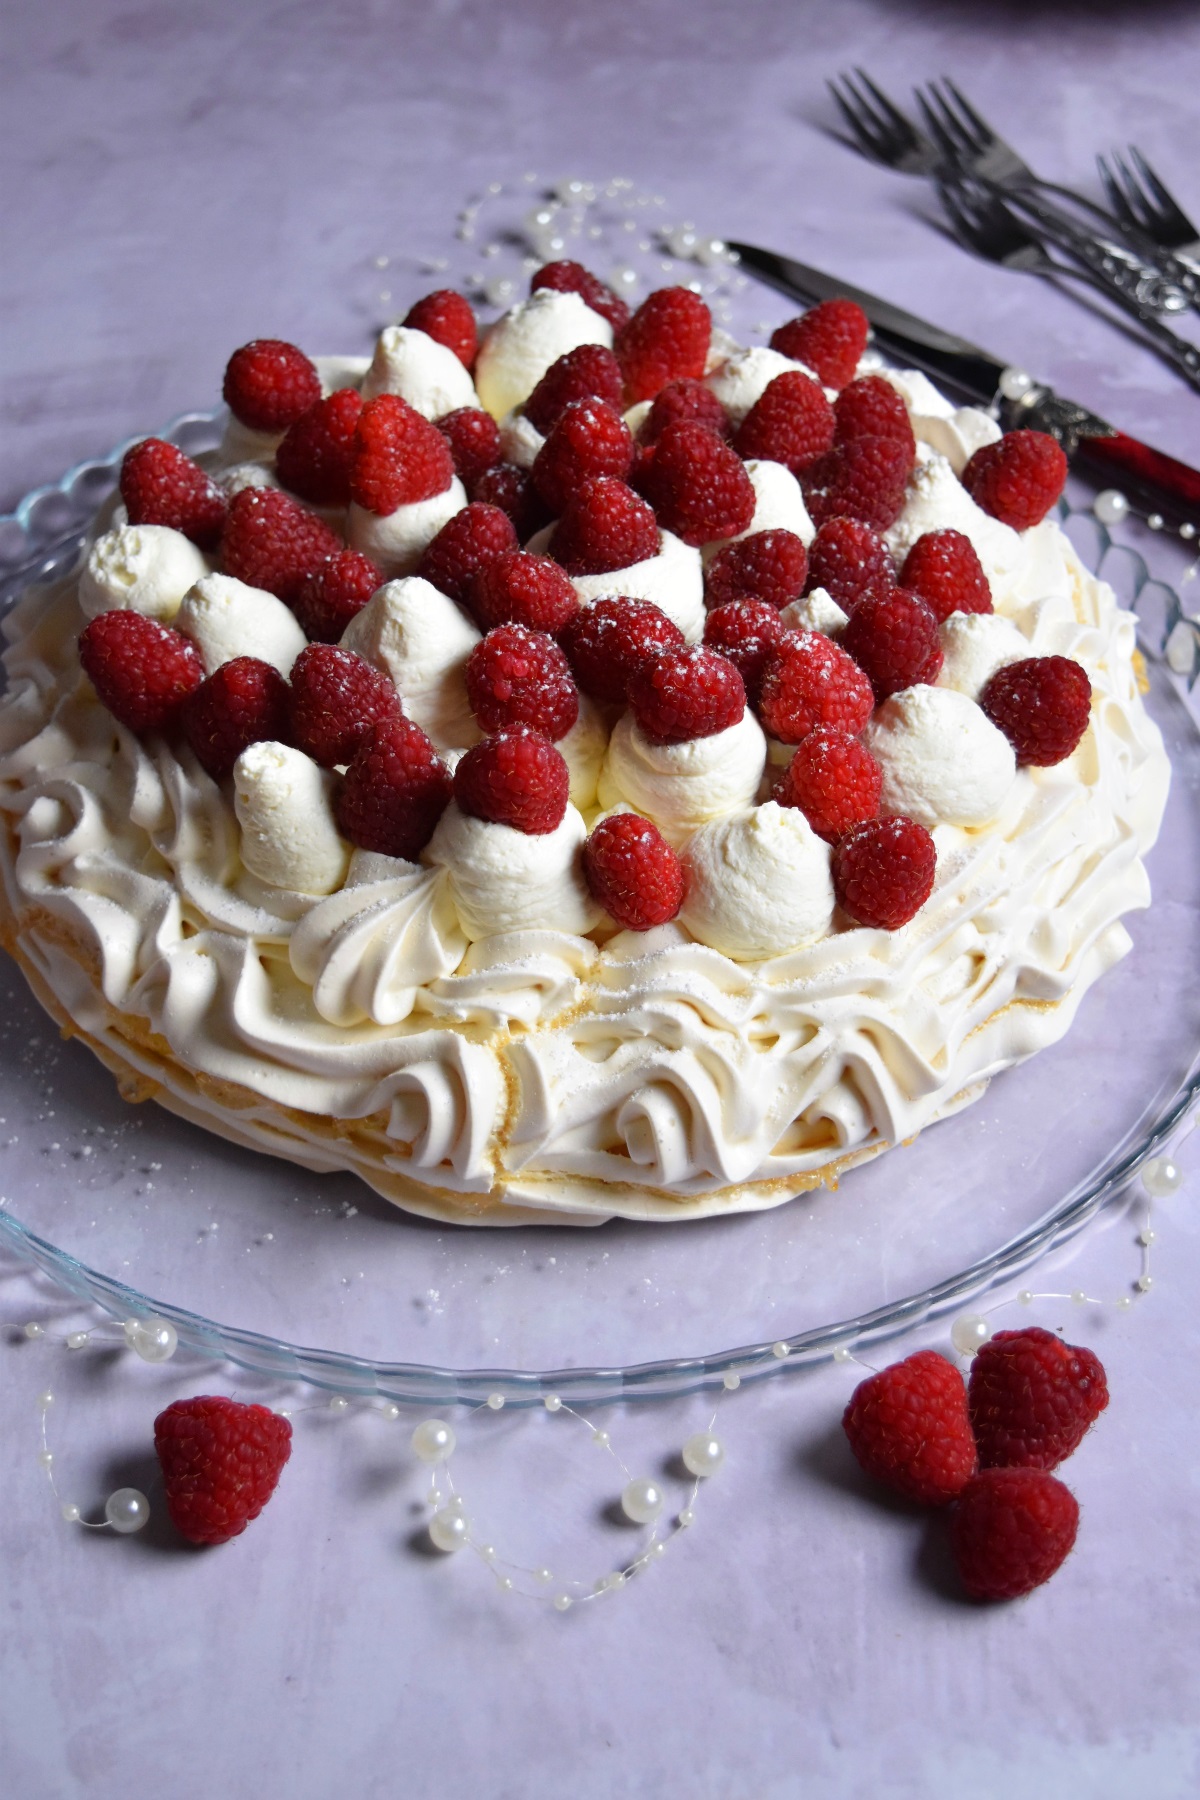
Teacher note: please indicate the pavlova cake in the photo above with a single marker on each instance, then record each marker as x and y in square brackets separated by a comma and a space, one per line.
[595, 770]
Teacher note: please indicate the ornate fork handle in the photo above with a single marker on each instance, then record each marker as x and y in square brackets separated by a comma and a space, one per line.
[1185, 356]
[1158, 284]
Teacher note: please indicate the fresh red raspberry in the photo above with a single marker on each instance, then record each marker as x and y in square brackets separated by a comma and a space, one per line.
[270, 384]
[767, 565]
[474, 537]
[908, 1427]
[141, 670]
[747, 632]
[834, 780]
[791, 422]
[698, 486]
[1032, 1398]
[589, 439]
[315, 456]
[589, 372]
[162, 486]
[1042, 705]
[243, 702]
[871, 407]
[883, 871]
[515, 778]
[399, 457]
[221, 1461]
[632, 872]
[667, 339]
[521, 677]
[336, 700]
[829, 340]
[270, 541]
[394, 791]
[572, 278]
[685, 694]
[686, 402]
[894, 639]
[865, 478]
[605, 527]
[1018, 479]
[522, 589]
[809, 682]
[512, 490]
[330, 596]
[608, 642]
[943, 568]
[1010, 1530]
[474, 439]
[849, 560]
[446, 317]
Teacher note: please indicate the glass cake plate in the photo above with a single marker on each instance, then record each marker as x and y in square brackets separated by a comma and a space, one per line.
[313, 1277]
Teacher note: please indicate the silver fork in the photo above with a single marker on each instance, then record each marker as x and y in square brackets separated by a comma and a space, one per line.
[880, 129]
[1143, 203]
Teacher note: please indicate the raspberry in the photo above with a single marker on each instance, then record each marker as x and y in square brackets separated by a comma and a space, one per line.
[162, 486]
[270, 384]
[608, 642]
[685, 694]
[521, 677]
[943, 568]
[329, 597]
[315, 456]
[588, 373]
[270, 541]
[470, 540]
[767, 565]
[512, 490]
[883, 871]
[572, 278]
[747, 632]
[683, 402]
[474, 439]
[1010, 1530]
[221, 1461]
[849, 560]
[1018, 479]
[605, 527]
[394, 792]
[810, 682]
[791, 422]
[871, 407]
[632, 872]
[515, 778]
[865, 478]
[522, 589]
[142, 671]
[243, 702]
[908, 1427]
[834, 780]
[336, 700]
[446, 317]
[829, 340]
[1032, 1398]
[589, 439]
[698, 486]
[1042, 705]
[399, 457]
[667, 339]
[894, 639]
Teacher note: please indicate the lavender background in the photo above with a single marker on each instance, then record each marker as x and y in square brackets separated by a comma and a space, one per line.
[179, 179]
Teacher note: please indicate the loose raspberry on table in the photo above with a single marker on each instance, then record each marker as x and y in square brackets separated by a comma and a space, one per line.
[1018, 479]
[474, 439]
[871, 407]
[141, 670]
[243, 702]
[894, 639]
[1042, 705]
[810, 681]
[521, 677]
[394, 791]
[1010, 1530]
[399, 457]
[865, 478]
[162, 486]
[834, 780]
[683, 402]
[667, 339]
[512, 490]
[632, 872]
[269, 384]
[883, 871]
[522, 589]
[315, 456]
[471, 539]
[607, 643]
[767, 565]
[270, 541]
[945, 570]
[1032, 1398]
[747, 632]
[908, 1427]
[221, 1461]
[685, 694]
[791, 422]
[849, 560]
[605, 527]
[829, 340]
[446, 317]
[588, 439]
[698, 486]
[568, 277]
[516, 778]
[333, 593]
[590, 372]
[337, 698]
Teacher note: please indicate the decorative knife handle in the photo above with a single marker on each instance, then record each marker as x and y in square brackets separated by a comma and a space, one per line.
[1161, 482]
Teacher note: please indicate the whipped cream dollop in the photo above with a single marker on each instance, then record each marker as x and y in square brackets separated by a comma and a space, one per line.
[521, 346]
[520, 440]
[415, 634]
[937, 501]
[415, 366]
[284, 805]
[743, 378]
[396, 541]
[817, 611]
[506, 880]
[943, 760]
[974, 646]
[147, 568]
[582, 749]
[681, 786]
[778, 505]
[956, 432]
[673, 579]
[758, 884]
[225, 618]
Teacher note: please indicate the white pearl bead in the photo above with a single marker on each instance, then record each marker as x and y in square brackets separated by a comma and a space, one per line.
[601, 1438]
[969, 1332]
[1144, 1283]
[76, 1340]
[127, 1510]
[1187, 531]
[45, 1400]
[1015, 383]
[687, 1517]
[545, 1576]
[552, 1403]
[154, 1340]
[70, 1512]
[1078, 1297]
[841, 1353]
[34, 1330]
[1125, 1302]
[1161, 1176]
[642, 1500]
[1026, 1296]
[46, 1458]
[433, 1441]
[1147, 1237]
[703, 1454]
[731, 1382]
[780, 1350]
[1155, 521]
[338, 1403]
[487, 1551]
[659, 1549]
[505, 1584]
[563, 1602]
[391, 1412]
[495, 1402]
[1110, 506]
[449, 1529]
[281, 1412]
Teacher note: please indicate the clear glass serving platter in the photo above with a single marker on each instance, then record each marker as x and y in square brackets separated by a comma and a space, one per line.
[311, 1277]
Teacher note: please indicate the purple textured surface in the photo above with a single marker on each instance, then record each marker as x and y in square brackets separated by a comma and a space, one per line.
[179, 179]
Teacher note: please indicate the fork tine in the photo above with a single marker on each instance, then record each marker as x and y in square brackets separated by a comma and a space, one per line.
[859, 119]
[959, 130]
[1165, 199]
[953, 199]
[982, 129]
[888, 107]
[1115, 193]
[942, 137]
[1137, 201]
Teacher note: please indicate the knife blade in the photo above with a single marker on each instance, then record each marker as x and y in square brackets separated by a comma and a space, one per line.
[1162, 482]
